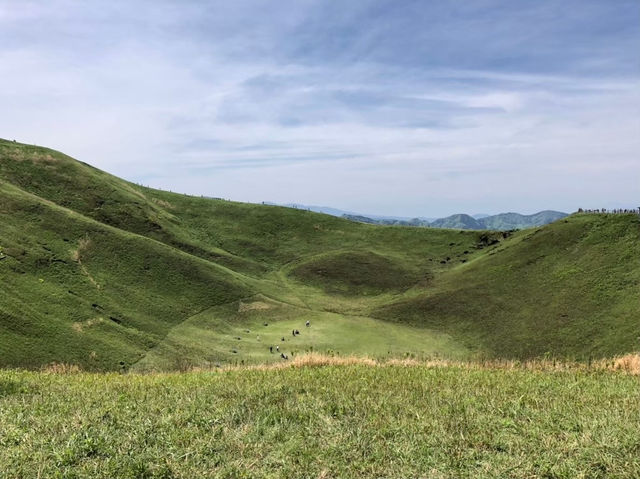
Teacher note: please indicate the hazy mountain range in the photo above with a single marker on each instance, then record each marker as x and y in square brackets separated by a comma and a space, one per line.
[347, 214]
[478, 221]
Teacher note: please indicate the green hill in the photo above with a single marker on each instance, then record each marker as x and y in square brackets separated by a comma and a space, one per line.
[569, 289]
[106, 274]
[79, 291]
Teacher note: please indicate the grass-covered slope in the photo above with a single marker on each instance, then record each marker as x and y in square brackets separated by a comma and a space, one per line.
[78, 291]
[103, 273]
[244, 237]
[355, 421]
[105, 198]
[569, 289]
[353, 273]
[96, 271]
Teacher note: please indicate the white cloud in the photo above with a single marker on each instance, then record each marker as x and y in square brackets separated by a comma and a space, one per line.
[175, 109]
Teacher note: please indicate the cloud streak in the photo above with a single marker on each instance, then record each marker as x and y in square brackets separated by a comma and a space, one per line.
[407, 108]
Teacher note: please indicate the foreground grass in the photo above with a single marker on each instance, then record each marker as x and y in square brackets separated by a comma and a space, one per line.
[349, 420]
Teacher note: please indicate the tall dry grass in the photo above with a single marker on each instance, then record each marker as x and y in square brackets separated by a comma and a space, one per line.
[61, 368]
[628, 363]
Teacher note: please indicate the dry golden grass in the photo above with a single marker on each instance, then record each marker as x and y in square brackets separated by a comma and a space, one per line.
[35, 157]
[79, 326]
[629, 363]
[163, 203]
[83, 246]
[256, 305]
[61, 368]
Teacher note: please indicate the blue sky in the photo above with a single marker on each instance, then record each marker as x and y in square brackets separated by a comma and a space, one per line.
[412, 108]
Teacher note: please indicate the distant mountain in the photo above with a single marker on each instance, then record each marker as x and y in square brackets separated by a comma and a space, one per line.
[478, 221]
[327, 210]
[516, 221]
[500, 222]
[354, 216]
[362, 219]
[388, 221]
[460, 221]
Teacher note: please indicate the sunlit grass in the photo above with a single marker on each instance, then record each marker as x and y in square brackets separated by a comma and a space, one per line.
[324, 417]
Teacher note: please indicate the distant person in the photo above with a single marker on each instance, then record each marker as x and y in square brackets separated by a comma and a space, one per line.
[278, 348]
[271, 349]
[282, 338]
[307, 324]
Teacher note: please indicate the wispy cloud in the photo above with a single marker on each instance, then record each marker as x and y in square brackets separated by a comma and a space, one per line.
[412, 108]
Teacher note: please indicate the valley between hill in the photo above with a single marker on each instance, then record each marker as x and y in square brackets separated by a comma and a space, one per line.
[108, 275]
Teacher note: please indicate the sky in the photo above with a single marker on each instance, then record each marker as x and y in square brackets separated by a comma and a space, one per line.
[390, 107]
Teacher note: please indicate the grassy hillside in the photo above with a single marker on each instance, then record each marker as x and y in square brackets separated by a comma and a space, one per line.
[352, 421]
[97, 270]
[78, 291]
[106, 274]
[568, 289]
[353, 273]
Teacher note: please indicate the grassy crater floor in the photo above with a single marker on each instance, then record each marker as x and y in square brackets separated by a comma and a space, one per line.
[354, 420]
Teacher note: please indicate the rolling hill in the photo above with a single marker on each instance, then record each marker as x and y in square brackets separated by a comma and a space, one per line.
[109, 275]
[570, 288]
